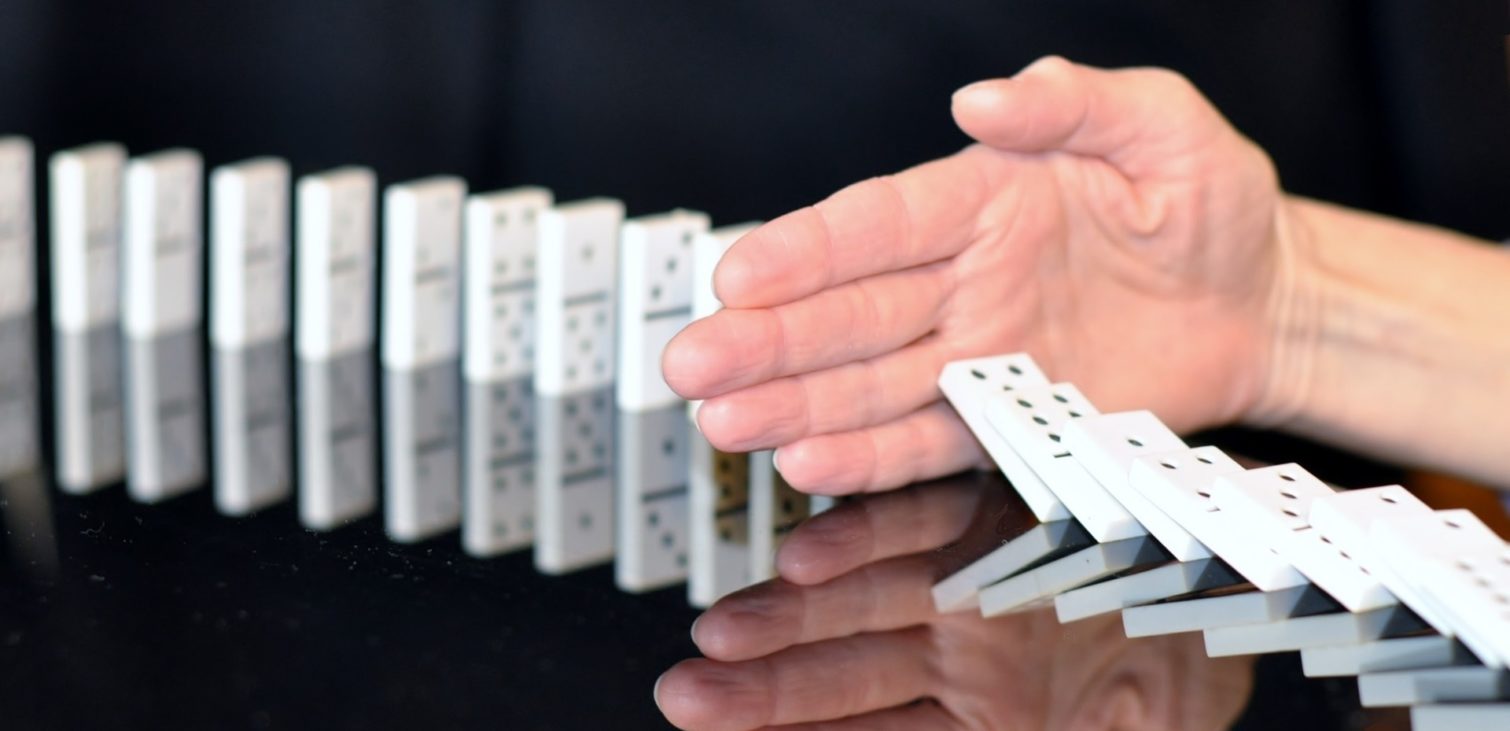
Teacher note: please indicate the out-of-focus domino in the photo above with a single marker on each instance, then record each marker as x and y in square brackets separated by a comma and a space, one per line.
[1031, 420]
[1181, 484]
[652, 505]
[1460, 568]
[1458, 716]
[655, 302]
[498, 363]
[1299, 633]
[165, 419]
[253, 432]
[20, 440]
[1469, 683]
[1106, 446]
[17, 228]
[719, 530]
[1038, 545]
[775, 509]
[337, 439]
[249, 253]
[85, 265]
[336, 260]
[1395, 653]
[421, 451]
[1225, 610]
[163, 247]
[708, 248]
[1038, 586]
[971, 384]
[1274, 502]
[574, 374]
[1343, 518]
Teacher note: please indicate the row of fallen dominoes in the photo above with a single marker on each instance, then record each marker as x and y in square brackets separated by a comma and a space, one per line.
[520, 357]
[1368, 582]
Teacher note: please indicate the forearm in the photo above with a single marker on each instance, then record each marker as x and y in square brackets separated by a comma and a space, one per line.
[1393, 339]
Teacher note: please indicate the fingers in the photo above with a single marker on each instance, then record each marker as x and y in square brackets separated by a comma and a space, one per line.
[816, 682]
[1134, 118]
[876, 528]
[775, 615]
[912, 717]
[924, 214]
[927, 443]
[733, 349]
[843, 398]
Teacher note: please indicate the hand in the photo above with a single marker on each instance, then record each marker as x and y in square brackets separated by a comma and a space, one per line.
[848, 639]
[1111, 223]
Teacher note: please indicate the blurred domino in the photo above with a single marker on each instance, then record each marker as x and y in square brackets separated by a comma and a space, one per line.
[85, 267]
[1274, 502]
[1458, 716]
[655, 302]
[708, 250]
[775, 509]
[17, 228]
[249, 253]
[163, 253]
[1396, 653]
[971, 384]
[498, 357]
[253, 429]
[333, 340]
[1468, 683]
[421, 351]
[20, 412]
[574, 375]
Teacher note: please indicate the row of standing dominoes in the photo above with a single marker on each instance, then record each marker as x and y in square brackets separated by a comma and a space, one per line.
[1179, 539]
[520, 359]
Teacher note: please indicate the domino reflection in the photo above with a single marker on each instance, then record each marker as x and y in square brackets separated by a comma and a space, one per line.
[500, 466]
[20, 438]
[165, 416]
[88, 413]
[651, 510]
[575, 480]
[252, 426]
[422, 450]
[720, 521]
[337, 439]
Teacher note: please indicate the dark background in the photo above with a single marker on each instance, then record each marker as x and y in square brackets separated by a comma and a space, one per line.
[174, 617]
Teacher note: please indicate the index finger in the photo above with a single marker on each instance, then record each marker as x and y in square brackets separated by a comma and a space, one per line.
[924, 214]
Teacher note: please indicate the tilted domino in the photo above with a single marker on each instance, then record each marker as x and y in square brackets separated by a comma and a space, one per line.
[1458, 716]
[333, 341]
[421, 356]
[161, 314]
[498, 357]
[1344, 519]
[577, 271]
[85, 206]
[17, 228]
[655, 303]
[250, 252]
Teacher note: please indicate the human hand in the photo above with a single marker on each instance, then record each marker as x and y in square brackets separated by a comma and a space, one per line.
[848, 639]
[1110, 223]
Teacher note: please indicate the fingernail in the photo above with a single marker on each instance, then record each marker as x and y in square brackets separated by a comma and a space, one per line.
[693, 631]
[976, 93]
[776, 460]
[655, 693]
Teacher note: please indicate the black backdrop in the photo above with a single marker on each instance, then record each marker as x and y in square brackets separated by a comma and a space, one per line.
[171, 616]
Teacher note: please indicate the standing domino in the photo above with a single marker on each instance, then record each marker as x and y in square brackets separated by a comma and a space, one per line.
[333, 336]
[500, 231]
[421, 357]
[161, 315]
[574, 374]
[249, 328]
[86, 249]
[655, 302]
[17, 228]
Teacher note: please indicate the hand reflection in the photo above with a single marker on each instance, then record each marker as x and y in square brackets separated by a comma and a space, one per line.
[848, 638]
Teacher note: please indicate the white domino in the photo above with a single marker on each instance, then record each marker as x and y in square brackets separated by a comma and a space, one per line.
[1468, 683]
[337, 440]
[1344, 518]
[249, 253]
[971, 384]
[422, 272]
[719, 530]
[17, 228]
[708, 250]
[1031, 421]
[499, 234]
[652, 509]
[165, 416]
[1458, 716]
[163, 249]
[1322, 630]
[655, 302]
[1041, 543]
[1274, 503]
[86, 236]
[1039, 586]
[253, 431]
[576, 264]
[1396, 653]
[775, 509]
[337, 259]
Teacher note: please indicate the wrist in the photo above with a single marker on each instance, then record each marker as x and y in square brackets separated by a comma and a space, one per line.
[1290, 330]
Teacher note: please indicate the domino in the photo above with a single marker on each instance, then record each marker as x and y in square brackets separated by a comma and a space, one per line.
[1344, 519]
[719, 524]
[708, 249]
[336, 440]
[574, 478]
[20, 440]
[1037, 545]
[165, 435]
[422, 273]
[249, 253]
[17, 228]
[971, 384]
[655, 302]
[1299, 633]
[654, 451]
[1031, 421]
[252, 429]
[1397, 653]
[1274, 502]
[1159, 582]
[421, 451]
[1036, 587]
[500, 232]
[163, 245]
[1458, 716]
[775, 509]
[85, 268]
[1225, 608]
[1433, 685]
[336, 259]
[1182, 484]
